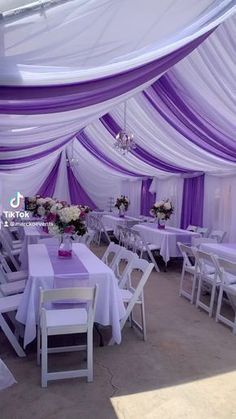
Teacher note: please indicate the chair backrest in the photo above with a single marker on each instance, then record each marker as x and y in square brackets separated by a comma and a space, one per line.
[204, 231]
[187, 253]
[207, 265]
[124, 257]
[219, 235]
[191, 228]
[111, 254]
[74, 294]
[227, 269]
[4, 265]
[87, 238]
[8, 250]
[138, 265]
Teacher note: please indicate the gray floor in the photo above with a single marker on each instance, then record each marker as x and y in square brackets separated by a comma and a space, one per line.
[186, 369]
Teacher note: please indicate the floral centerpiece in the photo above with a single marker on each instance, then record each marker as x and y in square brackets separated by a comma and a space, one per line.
[68, 222]
[39, 206]
[162, 210]
[122, 203]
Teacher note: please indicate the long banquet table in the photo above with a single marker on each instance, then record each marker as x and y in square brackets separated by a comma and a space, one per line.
[112, 221]
[46, 270]
[165, 239]
[223, 250]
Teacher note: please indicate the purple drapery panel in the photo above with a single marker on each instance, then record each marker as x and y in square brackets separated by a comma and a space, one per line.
[48, 187]
[112, 126]
[192, 125]
[59, 98]
[77, 193]
[193, 200]
[99, 155]
[147, 198]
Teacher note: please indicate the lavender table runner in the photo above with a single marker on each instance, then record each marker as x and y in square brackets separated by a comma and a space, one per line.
[67, 272]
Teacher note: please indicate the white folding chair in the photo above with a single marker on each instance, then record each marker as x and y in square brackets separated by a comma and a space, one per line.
[219, 235]
[133, 294]
[13, 243]
[228, 285]
[7, 306]
[139, 245]
[204, 231]
[7, 274]
[11, 253]
[94, 222]
[87, 238]
[191, 228]
[66, 321]
[111, 254]
[189, 266]
[125, 257]
[209, 275]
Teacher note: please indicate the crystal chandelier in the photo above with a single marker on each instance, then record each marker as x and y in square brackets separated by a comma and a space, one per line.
[72, 160]
[124, 139]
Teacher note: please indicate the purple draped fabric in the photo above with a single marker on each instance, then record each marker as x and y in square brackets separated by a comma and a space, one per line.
[112, 126]
[77, 193]
[48, 187]
[192, 203]
[147, 198]
[192, 125]
[59, 98]
[92, 149]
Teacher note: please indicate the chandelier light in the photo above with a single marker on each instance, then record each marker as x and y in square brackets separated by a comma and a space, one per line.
[125, 139]
[71, 160]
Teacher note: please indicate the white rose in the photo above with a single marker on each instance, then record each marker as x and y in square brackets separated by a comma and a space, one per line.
[41, 211]
[161, 215]
[167, 205]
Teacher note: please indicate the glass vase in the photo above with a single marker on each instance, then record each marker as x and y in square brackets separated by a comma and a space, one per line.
[161, 224]
[65, 247]
[121, 212]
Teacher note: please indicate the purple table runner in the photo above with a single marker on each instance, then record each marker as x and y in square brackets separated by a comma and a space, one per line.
[67, 272]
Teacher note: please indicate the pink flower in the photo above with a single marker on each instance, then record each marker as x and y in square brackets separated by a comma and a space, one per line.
[51, 217]
[69, 229]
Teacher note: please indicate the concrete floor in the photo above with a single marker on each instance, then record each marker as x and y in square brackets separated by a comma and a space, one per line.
[186, 369]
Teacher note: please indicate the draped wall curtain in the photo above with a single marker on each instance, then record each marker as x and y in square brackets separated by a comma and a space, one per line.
[193, 200]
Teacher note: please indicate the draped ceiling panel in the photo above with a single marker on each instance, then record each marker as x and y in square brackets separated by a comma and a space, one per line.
[87, 65]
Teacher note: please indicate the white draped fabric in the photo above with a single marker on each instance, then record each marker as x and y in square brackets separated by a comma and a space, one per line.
[87, 39]
[219, 204]
[132, 189]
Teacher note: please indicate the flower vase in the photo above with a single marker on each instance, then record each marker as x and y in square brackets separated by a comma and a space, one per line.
[161, 224]
[121, 212]
[65, 248]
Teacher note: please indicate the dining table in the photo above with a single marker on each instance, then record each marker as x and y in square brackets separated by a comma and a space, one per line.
[112, 220]
[30, 234]
[223, 250]
[46, 270]
[165, 239]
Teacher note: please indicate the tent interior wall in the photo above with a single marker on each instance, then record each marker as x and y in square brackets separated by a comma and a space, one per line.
[179, 85]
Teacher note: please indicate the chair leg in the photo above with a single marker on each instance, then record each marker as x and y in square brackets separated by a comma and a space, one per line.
[234, 327]
[220, 297]
[213, 291]
[38, 344]
[90, 355]
[44, 360]
[143, 322]
[199, 291]
[11, 337]
[193, 288]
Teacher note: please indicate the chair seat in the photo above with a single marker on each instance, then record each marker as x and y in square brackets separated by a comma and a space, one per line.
[13, 287]
[16, 276]
[127, 295]
[211, 278]
[231, 289]
[10, 303]
[230, 279]
[66, 318]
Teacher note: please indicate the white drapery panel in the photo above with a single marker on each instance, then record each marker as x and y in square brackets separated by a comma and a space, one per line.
[219, 204]
[170, 188]
[83, 40]
[132, 189]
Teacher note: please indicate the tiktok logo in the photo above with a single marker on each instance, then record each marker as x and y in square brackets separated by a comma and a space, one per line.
[17, 201]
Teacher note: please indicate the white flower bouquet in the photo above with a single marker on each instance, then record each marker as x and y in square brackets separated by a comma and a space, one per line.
[122, 201]
[162, 209]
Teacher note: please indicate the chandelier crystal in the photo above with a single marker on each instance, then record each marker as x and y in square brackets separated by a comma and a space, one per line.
[71, 160]
[125, 139]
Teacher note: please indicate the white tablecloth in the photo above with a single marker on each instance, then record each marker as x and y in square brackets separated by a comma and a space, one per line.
[223, 250]
[110, 308]
[31, 235]
[165, 239]
[111, 221]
